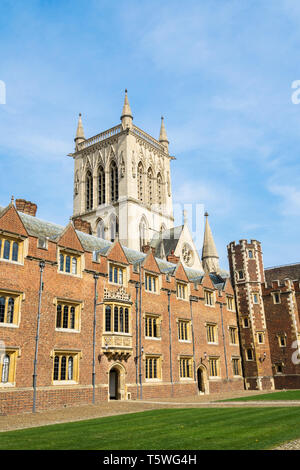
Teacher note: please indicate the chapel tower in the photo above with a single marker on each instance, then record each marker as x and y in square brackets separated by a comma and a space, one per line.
[122, 182]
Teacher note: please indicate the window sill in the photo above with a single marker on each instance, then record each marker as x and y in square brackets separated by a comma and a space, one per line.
[116, 284]
[7, 385]
[12, 262]
[64, 382]
[153, 380]
[69, 274]
[153, 337]
[213, 343]
[67, 330]
[9, 325]
[188, 341]
[208, 305]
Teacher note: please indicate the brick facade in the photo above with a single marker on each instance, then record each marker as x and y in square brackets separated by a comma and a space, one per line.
[125, 353]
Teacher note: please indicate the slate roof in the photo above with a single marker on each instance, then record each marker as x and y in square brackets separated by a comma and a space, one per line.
[40, 228]
[166, 241]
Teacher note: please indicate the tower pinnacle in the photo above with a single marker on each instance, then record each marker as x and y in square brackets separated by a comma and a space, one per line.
[163, 135]
[126, 117]
[79, 133]
[210, 257]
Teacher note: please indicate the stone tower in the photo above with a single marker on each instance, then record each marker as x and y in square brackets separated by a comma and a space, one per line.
[247, 276]
[122, 182]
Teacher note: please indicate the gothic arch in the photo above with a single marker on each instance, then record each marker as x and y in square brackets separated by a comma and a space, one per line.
[202, 379]
[140, 181]
[89, 192]
[113, 227]
[159, 190]
[100, 227]
[114, 181]
[101, 185]
[143, 232]
[120, 385]
[150, 186]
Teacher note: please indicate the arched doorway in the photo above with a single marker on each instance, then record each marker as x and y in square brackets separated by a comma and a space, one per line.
[202, 381]
[116, 383]
[113, 384]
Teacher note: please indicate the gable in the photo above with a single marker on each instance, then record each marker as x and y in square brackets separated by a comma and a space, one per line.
[116, 253]
[69, 239]
[150, 263]
[186, 238]
[228, 287]
[207, 282]
[10, 221]
[180, 273]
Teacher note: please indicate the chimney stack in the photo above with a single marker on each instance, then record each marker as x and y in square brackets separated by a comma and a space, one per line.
[27, 207]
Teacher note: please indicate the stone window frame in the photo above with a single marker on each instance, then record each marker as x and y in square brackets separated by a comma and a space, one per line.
[236, 358]
[67, 252]
[158, 321]
[158, 358]
[214, 365]
[280, 337]
[19, 241]
[78, 305]
[119, 266]
[262, 333]
[13, 353]
[247, 355]
[188, 323]
[274, 297]
[250, 250]
[186, 364]
[209, 293]
[235, 328]
[214, 327]
[253, 298]
[152, 276]
[18, 298]
[182, 286]
[231, 298]
[60, 353]
[238, 278]
[118, 305]
[243, 322]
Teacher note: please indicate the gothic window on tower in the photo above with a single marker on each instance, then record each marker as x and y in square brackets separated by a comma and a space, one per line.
[159, 190]
[140, 182]
[100, 229]
[101, 186]
[150, 186]
[114, 183]
[89, 190]
[142, 233]
[114, 228]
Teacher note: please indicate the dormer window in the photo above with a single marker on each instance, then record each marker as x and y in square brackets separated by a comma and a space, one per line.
[69, 263]
[181, 291]
[10, 249]
[209, 298]
[151, 283]
[116, 274]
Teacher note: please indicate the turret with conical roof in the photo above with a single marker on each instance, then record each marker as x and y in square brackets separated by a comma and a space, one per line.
[210, 257]
[163, 139]
[126, 117]
[79, 133]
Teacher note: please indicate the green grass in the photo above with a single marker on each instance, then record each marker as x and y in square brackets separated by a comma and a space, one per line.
[214, 428]
[280, 396]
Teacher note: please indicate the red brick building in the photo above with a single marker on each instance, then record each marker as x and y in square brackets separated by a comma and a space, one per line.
[84, 319]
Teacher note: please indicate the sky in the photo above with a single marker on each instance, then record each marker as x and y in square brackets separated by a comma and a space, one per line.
[219, 71]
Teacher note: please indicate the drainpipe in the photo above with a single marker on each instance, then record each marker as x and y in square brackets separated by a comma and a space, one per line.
[136, 338]
[42, 266]
[140, 335]
[223, 334]
[193, 299]
[96, 277]
[170, 341]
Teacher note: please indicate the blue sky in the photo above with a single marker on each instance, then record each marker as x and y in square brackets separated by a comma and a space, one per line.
[220, 71]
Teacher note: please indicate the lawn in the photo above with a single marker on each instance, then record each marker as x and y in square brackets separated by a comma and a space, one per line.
[214, 428]
[276, 396]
